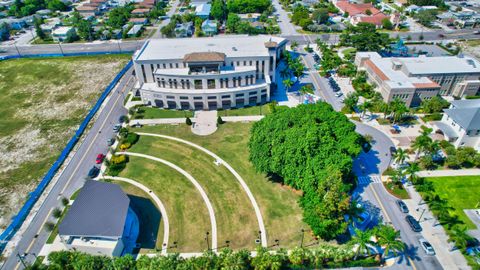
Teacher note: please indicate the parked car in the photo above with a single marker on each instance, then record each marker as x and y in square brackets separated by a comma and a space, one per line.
[100, 158]
[413, 223]
[427, 247]
[338, 94]
[403, 207]
[94, 171]
[122, 118]
[110, 141]
[117, 128]
[137, 125]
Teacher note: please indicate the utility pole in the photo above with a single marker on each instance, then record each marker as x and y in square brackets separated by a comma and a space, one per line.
[60, 45]
[420, 218]
[303, 236]
[119, 48]
[21, 258]
[206, 239]
[15, 44]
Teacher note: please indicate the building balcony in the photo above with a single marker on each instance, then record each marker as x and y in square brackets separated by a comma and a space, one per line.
[224, 72]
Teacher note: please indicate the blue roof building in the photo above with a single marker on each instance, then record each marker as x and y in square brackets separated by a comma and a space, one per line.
[203, 10]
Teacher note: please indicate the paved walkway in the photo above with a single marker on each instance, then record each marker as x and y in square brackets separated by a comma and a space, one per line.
[462, 172]
[246, 118]
[159, 121]
[213, 221]
[205, 123]
[161, 207]
[261, 224]
[434, 233]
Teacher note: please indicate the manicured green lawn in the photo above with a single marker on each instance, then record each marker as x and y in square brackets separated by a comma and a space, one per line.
[233, 211]
[254, 110]
[151, 113]
[43, 102]
[462, 192]
[151, 225]
[278, 203]
[187, 213]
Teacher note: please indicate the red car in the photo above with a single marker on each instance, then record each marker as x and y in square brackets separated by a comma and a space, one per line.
[99, 158]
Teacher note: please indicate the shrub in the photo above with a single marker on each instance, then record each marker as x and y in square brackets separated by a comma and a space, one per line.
[57, 213]
[131, 138]
[188, 121]
[125, 146]
[427, 163]
[49, 226]
[118, 159]
[65, 201]
[389, 171]
[453, 162]
[220, 120]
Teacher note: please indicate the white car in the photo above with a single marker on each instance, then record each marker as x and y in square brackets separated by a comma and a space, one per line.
[427, 247]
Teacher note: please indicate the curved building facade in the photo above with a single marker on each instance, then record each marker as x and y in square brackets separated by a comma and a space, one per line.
[207, 73]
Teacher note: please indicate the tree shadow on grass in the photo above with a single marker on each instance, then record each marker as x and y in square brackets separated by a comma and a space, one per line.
[149, 217]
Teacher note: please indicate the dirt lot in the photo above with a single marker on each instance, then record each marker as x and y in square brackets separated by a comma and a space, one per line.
[42, 103]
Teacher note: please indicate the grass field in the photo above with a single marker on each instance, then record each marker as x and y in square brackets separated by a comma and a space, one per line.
[187, 213]
[233, 211]
[278, 203]
[462, 192]
[254, 110]
[43, 102]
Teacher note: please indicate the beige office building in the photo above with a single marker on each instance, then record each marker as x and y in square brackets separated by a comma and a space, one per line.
[414, 79]
[207, 73]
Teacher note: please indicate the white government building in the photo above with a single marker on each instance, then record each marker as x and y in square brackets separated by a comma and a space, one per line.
[207, 73]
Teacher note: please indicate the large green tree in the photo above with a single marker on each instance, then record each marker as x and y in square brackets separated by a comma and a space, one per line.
[218, 11]
[310, 148]
[365, 37]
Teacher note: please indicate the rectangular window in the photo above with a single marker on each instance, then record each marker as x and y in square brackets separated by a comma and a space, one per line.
[244, 63]
[183, 97]
[170, 97]
[176, 65]
[171, 65]
[143, 73]
[164, 65]
[271, 63]
[197, 98]
[239, 95]
[151, 66]
[226, 96]
[211, 83]
[252, 93]
[198, 84]
[212, 97]
[264, 90]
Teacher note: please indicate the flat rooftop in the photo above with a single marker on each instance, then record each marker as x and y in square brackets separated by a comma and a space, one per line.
[231, 46]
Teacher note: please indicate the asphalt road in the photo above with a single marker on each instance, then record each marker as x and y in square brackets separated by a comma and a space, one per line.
[74, 174]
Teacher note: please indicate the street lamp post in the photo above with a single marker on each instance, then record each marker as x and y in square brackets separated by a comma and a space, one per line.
[206, 239]
[22, 260]
[303, 236]
[420, 218]
[15, 44]
[61, 49]
[119, 48]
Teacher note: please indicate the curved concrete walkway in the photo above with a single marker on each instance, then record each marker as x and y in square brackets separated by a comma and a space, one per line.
[261, 224]
[161, 207]
[213, 221]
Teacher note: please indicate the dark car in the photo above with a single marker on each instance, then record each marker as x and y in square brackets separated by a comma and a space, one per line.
[393, 150]
[94, 171]
[403, 207]
[110, 141]
[413, 223]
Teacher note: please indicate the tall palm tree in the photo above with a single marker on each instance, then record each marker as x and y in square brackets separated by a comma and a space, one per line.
[460, 236]
[389, 239]
[285, 73]
[306, 89]
[400, 156]
[288, 83]
[398, 108]
[412, 171]
[351, 101]
[362, 242]
[386, 109]
[421, 144]
[433, 148]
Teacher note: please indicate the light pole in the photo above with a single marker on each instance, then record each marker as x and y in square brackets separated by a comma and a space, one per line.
[303, 236]
[15, 44]
[22, 260]
[60, 45]
[206, 239]
[119, 48]
[420, 218]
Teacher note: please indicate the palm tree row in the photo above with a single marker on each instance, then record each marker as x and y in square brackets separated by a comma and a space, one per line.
[383, 236]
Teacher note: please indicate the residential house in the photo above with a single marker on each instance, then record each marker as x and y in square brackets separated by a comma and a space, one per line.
[250, 17]
[60, 34]
[134, 31]
[258, 25]
[460, 123]
[203, 10]
[183, 30]
[461, 19]
[140, 11]
[210, 27]
[364, 13]
[14, 23]
[415, 8]
[88, 11]
[140, 21]
[100, 221]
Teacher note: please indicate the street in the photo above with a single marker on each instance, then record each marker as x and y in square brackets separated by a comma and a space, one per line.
[74, 175]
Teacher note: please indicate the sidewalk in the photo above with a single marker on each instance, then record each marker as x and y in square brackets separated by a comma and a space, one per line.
[438, 173]
[434, 233]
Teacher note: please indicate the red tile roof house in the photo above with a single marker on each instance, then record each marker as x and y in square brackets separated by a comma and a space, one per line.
[140, 21]
[140, 11]
[358, 13]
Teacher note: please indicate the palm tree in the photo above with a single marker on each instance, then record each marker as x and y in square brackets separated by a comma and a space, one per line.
[412, 171]
[459, 236]
[364, 107]
[433, 148]
[397, 177]
[288, 83]
[400, 156]
[285, 73]
[385, 109]
[398, 108]
[362, 242]
[294, 45]
[421, 144]
[389, 239]
[306, 89]
[351, 101]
